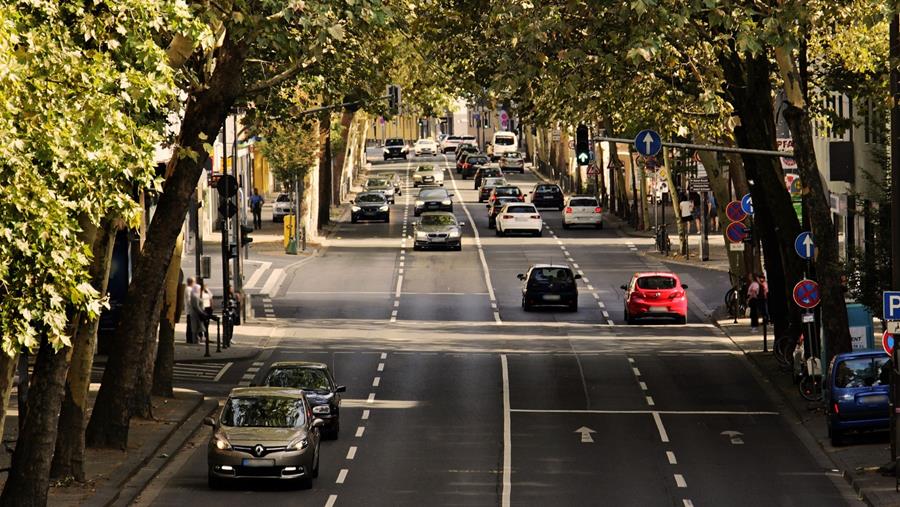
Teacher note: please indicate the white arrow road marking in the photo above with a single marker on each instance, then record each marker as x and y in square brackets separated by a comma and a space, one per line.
[735, 437]
[586, 437]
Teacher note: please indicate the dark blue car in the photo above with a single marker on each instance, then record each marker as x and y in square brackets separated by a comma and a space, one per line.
[857, 393]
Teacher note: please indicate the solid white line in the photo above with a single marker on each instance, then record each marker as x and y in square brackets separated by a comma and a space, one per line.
[630, 412]
[342, 476]
[650, 401]
[659, 426]
[371, 398]
[331, 500]
[671, 457]
[222, 372]
[263, 267]
[507, 436]
[376, 382]
[360, 430]
[272, 282]
[679, 481]
[351, 453]
[380, 366]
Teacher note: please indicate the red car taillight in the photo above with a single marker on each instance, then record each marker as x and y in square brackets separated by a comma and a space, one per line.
[598, 209]
[569, 210]
[836, 409]
[535, 216]
[521, 197]
[507, 217]
[676, 294]
[465, 165]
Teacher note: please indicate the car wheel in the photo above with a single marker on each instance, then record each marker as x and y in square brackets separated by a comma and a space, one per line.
[837, 437]
[525, 306]
[459, 248]
[353, 220]
[333, 431]
[465, 177]
[573, 307]
[415, 185]
[305, 483]
[214, 482]
[416, 248]
[681, 319]
[628, 318]
[497, 231]
[387, 219]
[539, 233]
[599, 225]
[491, 225]
[416, 213]
[566, 226]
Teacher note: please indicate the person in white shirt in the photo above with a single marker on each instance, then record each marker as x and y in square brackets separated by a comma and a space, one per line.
[198, 315]
[686, 206]
[188, 292]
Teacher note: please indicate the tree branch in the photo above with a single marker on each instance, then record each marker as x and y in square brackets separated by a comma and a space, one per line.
[286, 74]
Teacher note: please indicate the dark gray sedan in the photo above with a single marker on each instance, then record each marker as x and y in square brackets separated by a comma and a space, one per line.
[437, 229]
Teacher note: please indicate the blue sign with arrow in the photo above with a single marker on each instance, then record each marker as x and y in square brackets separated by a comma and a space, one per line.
[648, 143]
[747, 204]
[804, 245]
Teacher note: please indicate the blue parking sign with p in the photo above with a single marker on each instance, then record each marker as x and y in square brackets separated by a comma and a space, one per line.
[892, 305]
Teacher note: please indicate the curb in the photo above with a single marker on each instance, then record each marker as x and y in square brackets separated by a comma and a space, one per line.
[126, 483]
[799, 429]
[684, 263]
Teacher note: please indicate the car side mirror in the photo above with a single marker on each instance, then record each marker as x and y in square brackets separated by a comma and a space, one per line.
[521, 276]
[451, 195]
[623, 287]
[209, 421]
[318, 423]
[578, 277]
[340, 389]
[683, 286]
[462, 224]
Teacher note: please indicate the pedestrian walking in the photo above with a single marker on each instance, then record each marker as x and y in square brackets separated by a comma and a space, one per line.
[256, 204]
[697, 211]
[198, 315]
[686, 207]
[191, 324]
[713, 217]
[757, 299]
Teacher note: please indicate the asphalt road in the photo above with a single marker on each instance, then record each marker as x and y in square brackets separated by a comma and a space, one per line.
[457, 397]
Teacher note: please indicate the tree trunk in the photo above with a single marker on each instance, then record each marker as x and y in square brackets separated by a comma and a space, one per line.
[68, 459]
[340, 158]
[173, 302]
[748, 88]
[204, 115]
[326, 171]
[29, 477]
[719, 184]
[827, 261]
[142, 401]
[673, 195]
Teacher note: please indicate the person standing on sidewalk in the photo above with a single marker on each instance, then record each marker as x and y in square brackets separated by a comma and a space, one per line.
[256, 204]
[198, 315]
[188, 293]
[686, 207]
[713, 217]
[757, 294]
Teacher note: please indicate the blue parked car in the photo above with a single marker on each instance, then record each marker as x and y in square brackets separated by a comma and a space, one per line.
[857, 393]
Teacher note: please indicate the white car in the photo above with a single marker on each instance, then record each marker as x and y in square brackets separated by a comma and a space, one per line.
[582, 210]
[425, 147]
[504, 142]
[428, 175]
[282, 207]
[521, 217]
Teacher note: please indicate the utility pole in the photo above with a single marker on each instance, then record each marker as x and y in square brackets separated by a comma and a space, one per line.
[238, 217]
[894, 34]
[226, 276]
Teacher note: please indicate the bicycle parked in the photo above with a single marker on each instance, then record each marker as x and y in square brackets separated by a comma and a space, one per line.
[736, 300]
[663, 245]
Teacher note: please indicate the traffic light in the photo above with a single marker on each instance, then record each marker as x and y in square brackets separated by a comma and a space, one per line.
[582, 145]
[245, 235]
[393, 99]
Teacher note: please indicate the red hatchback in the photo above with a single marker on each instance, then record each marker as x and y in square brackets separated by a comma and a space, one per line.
[655, 294]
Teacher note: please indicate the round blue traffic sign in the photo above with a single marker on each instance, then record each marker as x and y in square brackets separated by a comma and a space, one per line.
[804, 245]
[806, 294]
[736, 232]
[648, 143]
[747, 204]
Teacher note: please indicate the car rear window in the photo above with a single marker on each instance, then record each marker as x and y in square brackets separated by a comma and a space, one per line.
[508, 191]
[547, 189]
[477, 160]
[309, 379]
[552, 275]
[520, 209]
[862, 372]
[656, 282]
[591, 203]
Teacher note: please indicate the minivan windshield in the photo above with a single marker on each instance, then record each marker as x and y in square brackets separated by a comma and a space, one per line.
[504, 141]
[863, 372]
[263, 412]
[552, 275]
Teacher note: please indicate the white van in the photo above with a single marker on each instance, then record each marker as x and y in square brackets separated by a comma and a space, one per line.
[504, 142]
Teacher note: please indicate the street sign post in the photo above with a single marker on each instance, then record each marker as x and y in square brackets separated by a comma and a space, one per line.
[647, 143]
[736, 232]
[735, 212]
[806, 294]
[747, 204]
[804, 245]
[891, 305]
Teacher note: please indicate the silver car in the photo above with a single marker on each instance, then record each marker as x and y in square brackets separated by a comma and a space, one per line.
[264, 433]
[512, 161]
[282, 207]
[437, 229]
[381, 185]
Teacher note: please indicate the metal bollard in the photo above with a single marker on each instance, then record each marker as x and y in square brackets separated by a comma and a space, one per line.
[218, 340]
[206, 354]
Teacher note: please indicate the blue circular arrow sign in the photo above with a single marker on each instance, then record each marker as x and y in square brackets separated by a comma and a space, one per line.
[804, 245]
[747, 204]
[648, 143]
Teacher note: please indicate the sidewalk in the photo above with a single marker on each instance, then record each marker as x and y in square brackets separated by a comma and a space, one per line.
[858, 460]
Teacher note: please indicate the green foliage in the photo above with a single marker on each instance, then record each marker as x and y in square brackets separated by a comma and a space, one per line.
[84, 94]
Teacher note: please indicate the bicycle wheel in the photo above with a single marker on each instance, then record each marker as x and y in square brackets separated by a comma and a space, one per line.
[783, 349]
[811, 387]
[731, 302]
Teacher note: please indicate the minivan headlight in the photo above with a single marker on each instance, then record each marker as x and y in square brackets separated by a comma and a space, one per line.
[221, 443]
